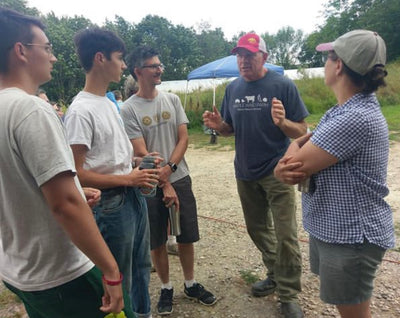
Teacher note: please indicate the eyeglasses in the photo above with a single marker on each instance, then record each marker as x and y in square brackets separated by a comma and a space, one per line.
[47, 47]
[154, 66]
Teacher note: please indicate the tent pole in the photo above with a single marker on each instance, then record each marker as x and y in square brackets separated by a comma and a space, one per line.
[213, 138]
[186, 92]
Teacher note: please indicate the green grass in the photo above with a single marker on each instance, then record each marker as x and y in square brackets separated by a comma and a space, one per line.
[392, 115]
[7, 298]
[199, 139]
[397, 233]
[248, 276]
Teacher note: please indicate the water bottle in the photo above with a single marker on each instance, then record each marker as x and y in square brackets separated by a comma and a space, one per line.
[174, 220]
[148, 163]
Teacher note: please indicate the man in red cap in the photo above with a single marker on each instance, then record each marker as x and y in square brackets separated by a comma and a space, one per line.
[263, 110]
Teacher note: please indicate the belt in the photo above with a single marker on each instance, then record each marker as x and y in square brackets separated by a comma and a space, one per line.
[115, 190]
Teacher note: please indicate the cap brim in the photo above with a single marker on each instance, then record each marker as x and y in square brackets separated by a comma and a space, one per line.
[252, 49]
[325, 47]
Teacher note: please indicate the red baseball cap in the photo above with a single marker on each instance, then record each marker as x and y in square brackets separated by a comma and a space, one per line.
[251, 42]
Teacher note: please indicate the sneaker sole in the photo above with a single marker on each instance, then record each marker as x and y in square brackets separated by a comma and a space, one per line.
[263, 293]
[165, 313]
[199, 301]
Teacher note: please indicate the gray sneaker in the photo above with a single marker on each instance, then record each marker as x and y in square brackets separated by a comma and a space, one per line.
[172, 249]
[263, 287]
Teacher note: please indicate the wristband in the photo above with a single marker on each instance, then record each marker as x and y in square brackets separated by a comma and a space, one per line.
[113, 282]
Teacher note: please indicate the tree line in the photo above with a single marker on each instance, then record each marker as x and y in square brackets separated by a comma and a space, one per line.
[183, 49]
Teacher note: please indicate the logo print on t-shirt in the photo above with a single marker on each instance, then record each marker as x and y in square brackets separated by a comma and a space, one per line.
[166, 115]
[146, 120]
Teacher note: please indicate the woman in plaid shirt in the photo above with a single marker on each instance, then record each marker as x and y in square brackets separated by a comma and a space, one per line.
[343, 164]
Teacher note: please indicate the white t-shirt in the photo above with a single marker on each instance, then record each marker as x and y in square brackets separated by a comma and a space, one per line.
[94, 121]
[35, 252]
[157, 121]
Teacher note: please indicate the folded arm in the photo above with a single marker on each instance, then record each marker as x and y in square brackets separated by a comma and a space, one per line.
[301, 160]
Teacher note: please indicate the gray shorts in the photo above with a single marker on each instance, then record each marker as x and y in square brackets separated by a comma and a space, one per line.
[347, 271]
[158, 215]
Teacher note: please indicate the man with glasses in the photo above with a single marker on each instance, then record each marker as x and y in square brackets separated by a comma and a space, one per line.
[156, 122]
[103, 157]
[263, 109]
[46, 225]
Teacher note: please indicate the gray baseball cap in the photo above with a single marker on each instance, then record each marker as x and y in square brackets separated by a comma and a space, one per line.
[360, 50]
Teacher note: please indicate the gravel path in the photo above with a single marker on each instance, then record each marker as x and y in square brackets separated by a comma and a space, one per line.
[225, 251]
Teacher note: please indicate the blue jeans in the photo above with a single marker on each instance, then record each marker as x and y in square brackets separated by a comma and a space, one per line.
[122, 219]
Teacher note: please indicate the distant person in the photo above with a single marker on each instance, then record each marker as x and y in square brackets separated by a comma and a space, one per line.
[118, 97]
[130, 87]
[58, 109]
[41, 93]
[263, 110]
[345, 162]
[111, 97]
[46, 224]
[103, 157]
[156, 122]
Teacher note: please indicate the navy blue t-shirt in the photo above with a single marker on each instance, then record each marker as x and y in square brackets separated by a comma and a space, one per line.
[247, 108]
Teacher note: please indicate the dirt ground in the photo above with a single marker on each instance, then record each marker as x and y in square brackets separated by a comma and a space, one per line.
[225, 252]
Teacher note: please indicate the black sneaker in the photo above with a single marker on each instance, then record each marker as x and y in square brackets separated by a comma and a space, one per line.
[164, 306]
[291, 310]
[263, 287]
[199, 293]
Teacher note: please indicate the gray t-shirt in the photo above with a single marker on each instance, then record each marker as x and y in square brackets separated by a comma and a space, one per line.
[35, 252]
[157, 121]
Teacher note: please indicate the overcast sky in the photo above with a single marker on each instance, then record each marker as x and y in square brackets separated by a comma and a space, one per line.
[258, 15]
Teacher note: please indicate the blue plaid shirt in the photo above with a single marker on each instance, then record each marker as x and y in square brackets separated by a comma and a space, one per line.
[346, 203]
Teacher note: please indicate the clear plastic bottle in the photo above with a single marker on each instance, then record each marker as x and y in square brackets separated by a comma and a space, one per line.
[148, 163]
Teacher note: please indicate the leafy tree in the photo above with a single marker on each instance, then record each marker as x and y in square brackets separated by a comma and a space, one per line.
[124, 29]
[20, 6]
[342, 16]
[212, 45]
[177, 45]
[68, 76]
[284, 47]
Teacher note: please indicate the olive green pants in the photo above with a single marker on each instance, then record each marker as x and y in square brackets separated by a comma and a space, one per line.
[270, 214]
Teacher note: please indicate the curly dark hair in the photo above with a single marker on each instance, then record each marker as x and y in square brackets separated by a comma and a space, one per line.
[137, 57]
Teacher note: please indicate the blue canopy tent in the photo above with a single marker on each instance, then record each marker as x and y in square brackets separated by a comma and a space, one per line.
[225, 67]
